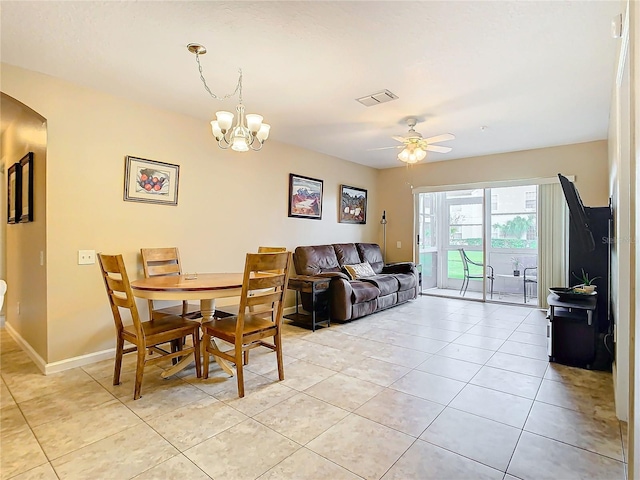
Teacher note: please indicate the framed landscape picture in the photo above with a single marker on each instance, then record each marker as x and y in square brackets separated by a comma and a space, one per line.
[305, 197]
[150, 181]
[353, 205]
[26, 188]
[13, 194]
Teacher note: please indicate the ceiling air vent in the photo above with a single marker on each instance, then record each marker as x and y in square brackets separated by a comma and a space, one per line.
[377, 98]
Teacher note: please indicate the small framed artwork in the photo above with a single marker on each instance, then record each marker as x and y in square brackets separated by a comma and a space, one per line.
[150, 181]
[26, 188]
[305, 197]
[14, 195]
[353, 205]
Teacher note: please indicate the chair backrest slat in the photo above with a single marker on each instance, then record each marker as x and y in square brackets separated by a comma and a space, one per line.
[275, 280]
[272, 249]
[162, 269]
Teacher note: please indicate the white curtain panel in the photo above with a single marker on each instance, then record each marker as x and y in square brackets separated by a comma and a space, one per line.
[552, 240]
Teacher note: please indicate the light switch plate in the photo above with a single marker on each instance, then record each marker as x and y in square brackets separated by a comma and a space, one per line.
[86, 257]
[398, 244]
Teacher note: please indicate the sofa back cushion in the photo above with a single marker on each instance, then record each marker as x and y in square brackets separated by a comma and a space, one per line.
[370, 252]
[315, 259]
[347, 254]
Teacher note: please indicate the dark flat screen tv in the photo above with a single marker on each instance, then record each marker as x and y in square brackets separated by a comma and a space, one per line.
[578, 217]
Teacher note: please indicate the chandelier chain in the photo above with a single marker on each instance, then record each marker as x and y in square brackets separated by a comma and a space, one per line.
[213, 95]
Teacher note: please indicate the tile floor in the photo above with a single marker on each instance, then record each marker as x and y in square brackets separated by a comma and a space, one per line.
[436, 388]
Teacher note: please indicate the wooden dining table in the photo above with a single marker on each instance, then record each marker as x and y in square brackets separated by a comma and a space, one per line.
[205, 287]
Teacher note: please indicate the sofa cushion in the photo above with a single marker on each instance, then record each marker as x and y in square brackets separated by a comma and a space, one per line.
[370, 252]
[316, 259]
[347, 253]
[363, 292]
[407, 281]
[359, 270]
[387, 284]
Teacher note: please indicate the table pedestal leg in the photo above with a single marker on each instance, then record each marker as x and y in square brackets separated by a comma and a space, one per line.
[207, 308]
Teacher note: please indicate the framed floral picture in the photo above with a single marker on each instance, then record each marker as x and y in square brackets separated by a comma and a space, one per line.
[150, 181]
[305, 197]
[353, 205]
[26, 188]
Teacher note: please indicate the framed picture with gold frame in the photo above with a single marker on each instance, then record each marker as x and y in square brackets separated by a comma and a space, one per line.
[150, 181]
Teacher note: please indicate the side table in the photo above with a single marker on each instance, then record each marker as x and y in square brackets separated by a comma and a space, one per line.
[572, 333]
[313, 286]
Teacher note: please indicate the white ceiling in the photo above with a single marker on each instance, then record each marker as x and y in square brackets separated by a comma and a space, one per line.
[535, 73]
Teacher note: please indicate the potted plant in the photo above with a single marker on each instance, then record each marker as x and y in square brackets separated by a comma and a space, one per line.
[516, 266]
[587, 285]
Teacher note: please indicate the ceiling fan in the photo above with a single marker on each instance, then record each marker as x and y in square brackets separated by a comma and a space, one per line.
[415, 147]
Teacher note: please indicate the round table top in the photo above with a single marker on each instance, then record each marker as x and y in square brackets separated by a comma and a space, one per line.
[180, 283]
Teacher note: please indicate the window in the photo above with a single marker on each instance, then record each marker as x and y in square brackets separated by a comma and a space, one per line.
[530, 201]
[494, 202]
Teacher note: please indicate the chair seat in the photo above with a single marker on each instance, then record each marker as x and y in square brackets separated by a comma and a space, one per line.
[225, 328]
[163, 324]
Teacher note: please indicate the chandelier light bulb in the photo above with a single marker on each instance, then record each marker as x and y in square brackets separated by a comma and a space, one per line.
[263, 133]
[240, 141]
[254, 122]
[225, 120]
[215, 129]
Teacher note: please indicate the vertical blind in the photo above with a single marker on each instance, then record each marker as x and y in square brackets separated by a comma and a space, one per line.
[552, 243]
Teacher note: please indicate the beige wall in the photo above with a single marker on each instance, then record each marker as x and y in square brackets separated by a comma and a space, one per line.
[587, 161]
[229, 203]
[26, 278]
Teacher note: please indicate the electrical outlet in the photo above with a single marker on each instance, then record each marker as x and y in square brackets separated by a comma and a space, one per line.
[86, 257]
[398, 244]
[18, 308]
[41, 258]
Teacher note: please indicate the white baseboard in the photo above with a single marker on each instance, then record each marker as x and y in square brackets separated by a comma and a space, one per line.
[73, 362]
[79, 361]
[62, 365]
[37, 359]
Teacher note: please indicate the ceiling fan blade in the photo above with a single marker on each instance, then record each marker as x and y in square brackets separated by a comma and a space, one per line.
[438, 148]
[384, 148]
[440, 138]
[398, 138]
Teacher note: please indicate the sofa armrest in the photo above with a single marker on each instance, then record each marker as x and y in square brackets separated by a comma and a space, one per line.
[340, 292]
[399, 267]
[332, 275]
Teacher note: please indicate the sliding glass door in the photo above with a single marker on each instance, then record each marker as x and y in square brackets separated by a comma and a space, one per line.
[451, 228]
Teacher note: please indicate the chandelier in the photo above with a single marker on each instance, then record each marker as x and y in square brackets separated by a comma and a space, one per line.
[412, 153]
[249, 132]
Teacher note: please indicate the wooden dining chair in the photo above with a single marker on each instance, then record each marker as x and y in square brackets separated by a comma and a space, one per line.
[143, 335]
[159, 262]
[259, 317]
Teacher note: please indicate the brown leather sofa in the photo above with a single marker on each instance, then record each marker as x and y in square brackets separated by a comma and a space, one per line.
[392, 284]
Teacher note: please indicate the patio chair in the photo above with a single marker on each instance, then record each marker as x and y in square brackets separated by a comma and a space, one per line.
[530, 278]
[468, 276]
